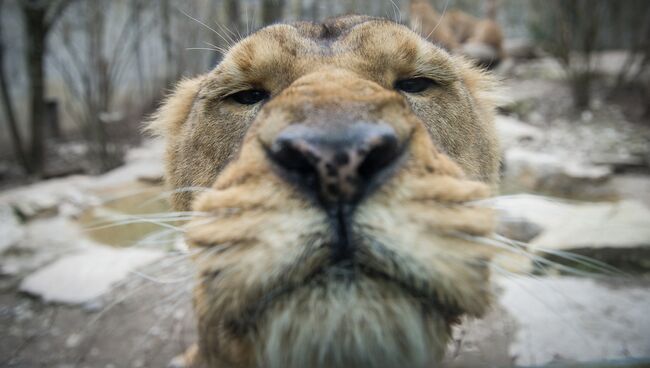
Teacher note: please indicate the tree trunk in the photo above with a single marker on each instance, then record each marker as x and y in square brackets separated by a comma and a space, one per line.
[581, 89]
[315, 13]
[233, 17]
[36, 32]
[166, 37]
[297, 9]
[98, 99]
[8, 103]
[272, 11]
[136, 9]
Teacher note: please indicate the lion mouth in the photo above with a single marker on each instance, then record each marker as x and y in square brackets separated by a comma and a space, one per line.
[349, 264]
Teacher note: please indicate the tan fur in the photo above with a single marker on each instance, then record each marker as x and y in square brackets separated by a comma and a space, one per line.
[459, 32]
[266, 294]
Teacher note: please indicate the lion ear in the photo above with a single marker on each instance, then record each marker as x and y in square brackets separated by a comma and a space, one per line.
[175, 108]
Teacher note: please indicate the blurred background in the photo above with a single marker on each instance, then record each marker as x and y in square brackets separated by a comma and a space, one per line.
[93, 270]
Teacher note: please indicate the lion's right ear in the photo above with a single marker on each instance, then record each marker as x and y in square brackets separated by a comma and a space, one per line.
[170, 116]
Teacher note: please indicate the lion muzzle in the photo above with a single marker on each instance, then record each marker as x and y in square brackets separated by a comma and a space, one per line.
[336, 165]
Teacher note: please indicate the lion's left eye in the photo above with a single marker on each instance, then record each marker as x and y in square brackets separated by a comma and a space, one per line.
[414, 85]
[249, 96]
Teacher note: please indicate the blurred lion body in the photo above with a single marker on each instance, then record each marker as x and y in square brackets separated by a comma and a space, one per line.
[267, 293]
[457, 31]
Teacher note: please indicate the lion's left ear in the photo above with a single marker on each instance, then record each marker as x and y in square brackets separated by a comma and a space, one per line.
[172, 113]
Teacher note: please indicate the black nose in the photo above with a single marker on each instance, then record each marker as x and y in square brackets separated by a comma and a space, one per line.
[337, 165]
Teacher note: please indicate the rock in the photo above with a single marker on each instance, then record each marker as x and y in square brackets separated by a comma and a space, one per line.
[517, 228]
[513, 132]
[155, 179]
[86, 275]
[623, 225]
[555, 175]
[11, 231]
[43, 199]
[43, 241]
[520, 48]
[38, 205]
[570, 319]
[620, 163]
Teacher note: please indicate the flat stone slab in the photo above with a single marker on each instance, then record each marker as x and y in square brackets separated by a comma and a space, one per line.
[43, 241]
[84, 276]
[513, 131]
[572, 224]
[528, 170]
[571, 319]
[559, 320]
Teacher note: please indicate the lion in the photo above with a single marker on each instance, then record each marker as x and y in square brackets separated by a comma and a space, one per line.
[342, 164]
[479, 39]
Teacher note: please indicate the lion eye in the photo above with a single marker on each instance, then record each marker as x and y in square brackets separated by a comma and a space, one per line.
[414, 85]
[250, 96]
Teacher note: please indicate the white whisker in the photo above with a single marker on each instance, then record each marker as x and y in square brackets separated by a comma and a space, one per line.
[442, 15]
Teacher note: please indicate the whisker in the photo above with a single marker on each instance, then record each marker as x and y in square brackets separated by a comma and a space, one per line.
[397, 12]
[162, 216]
[206, 26]
[127, 194]
[204, 252]
[174, 191]
[442, 15]
[490, 201]
[539, 261]
[143, 276]
[202, 49]
[161, 281]
[141, 220]
[219, 48]
[580, 259]
[227, 33]
[232, 36]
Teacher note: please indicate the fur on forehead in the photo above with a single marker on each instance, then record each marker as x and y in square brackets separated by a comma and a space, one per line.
[291, 50]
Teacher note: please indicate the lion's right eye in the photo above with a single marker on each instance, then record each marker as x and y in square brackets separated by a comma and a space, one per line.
[414, 85]
[249, 96]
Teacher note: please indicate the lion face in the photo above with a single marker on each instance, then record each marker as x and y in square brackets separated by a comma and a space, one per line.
[341, 159]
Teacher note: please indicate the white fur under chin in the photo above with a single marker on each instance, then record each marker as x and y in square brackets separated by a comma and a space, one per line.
[362, 323]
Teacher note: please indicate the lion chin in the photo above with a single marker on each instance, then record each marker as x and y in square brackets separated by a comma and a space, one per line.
[350, 321]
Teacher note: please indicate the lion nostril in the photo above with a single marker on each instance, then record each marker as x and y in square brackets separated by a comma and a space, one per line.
[292, 156]
[335, 165]
[381, 154]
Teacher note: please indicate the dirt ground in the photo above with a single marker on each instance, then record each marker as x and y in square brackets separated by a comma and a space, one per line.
[141, 324]
[145, 323]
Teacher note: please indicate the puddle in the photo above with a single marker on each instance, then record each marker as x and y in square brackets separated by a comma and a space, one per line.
[125, 217]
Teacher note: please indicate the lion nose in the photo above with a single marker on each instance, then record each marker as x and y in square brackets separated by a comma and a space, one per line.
[337, 165]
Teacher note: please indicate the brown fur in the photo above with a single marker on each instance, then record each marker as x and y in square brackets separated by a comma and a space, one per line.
[459, 32]
[265, 293]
